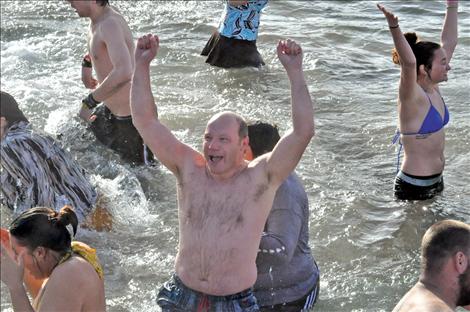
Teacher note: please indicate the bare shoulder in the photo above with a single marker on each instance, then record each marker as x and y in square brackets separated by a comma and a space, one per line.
[419, 299]
[258, 169]
[113, 22]
[78, 270]
[259, 164]
[73, 286]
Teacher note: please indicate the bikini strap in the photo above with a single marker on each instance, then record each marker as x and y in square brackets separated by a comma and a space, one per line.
[397, 139]
[66, 257]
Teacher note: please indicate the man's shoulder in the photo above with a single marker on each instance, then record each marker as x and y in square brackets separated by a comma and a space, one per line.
[259, 162]
[113, 21]
[421, 300]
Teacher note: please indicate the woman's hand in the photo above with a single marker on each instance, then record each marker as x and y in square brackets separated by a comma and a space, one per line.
[392, 19]
[11, 270]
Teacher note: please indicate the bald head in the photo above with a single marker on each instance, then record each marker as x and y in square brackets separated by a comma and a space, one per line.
[441, 241]
[229, 117]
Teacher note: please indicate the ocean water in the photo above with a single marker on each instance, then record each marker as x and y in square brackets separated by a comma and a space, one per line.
[365, 242]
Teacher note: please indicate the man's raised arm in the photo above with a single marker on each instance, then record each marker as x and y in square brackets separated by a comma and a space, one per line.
[288, 151]
[166, 147]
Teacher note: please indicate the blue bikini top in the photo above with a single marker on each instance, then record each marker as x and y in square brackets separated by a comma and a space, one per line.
[433, 121]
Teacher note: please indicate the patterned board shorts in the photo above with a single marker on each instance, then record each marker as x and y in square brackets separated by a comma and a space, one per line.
[174, 296]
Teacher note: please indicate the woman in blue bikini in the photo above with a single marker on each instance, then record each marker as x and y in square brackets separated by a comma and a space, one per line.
[422, 112]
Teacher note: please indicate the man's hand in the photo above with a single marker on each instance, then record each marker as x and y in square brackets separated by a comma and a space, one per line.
[452, 3]
[87, 73]
[86, 114]
[290, 54]
[146, 49]
[237, 3]
[87, 78]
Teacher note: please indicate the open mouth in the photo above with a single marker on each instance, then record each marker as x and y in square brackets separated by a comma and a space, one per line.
[215, 159]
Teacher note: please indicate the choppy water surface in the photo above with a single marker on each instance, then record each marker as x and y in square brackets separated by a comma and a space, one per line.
[365, 242]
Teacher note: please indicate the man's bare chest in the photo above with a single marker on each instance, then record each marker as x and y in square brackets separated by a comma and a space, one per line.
[203, 203]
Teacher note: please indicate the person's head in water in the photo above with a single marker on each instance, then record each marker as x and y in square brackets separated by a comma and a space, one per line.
[431, 58]
[447, 243]
[10, 112]
[263, 137]
[42, 237]
[225, 142]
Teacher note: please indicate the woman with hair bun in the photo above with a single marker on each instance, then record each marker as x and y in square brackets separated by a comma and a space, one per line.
[41, 243]
[422, 112]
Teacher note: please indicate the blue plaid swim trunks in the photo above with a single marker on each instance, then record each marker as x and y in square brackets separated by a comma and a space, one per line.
[174, 296]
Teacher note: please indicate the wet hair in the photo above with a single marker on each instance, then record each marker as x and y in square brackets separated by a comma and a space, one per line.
[423, 51]
[10, 110]
[441, 241]
[102, 2]
[263, 137]
[45, 227]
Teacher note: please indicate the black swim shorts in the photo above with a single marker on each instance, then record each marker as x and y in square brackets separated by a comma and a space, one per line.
[119, 134]
[409, 187]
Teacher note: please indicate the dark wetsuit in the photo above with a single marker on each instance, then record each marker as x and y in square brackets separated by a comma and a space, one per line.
[119, 134]
[409, 187]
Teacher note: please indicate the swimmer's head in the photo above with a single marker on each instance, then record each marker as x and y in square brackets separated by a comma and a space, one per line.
[45, 227]
[424, 52]
[86, 8]
[225, 143]
[446, 241]
[263, 137]
[10, 112]
[42, 237]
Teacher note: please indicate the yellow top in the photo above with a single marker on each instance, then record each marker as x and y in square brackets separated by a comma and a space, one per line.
[87, 253]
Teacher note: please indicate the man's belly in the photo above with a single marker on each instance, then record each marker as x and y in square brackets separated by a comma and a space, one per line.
[216, 271]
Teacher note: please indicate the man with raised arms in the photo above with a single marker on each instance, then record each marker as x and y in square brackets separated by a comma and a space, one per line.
[444, 283]
[110, 46]
[223, 200]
